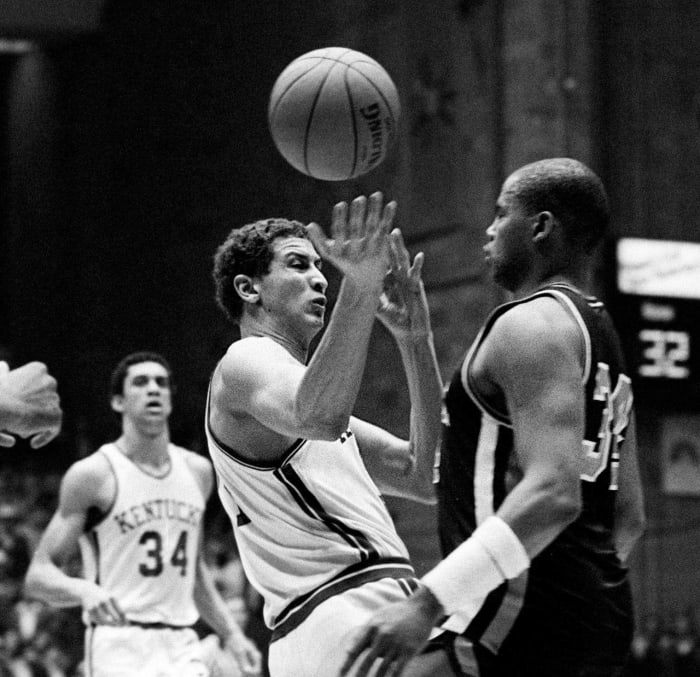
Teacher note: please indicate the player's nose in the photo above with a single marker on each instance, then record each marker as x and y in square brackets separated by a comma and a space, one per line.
[319, 282]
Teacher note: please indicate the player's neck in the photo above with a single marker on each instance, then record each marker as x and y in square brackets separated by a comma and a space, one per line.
[579, 279]
[297, 346]
[147, 451]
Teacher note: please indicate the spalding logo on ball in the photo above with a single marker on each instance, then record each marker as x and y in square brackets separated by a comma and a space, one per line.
[333, 113]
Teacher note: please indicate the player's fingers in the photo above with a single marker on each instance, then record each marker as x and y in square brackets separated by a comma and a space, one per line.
[116, 611]
[7, 440]
[416, 270]
[357, 224]
[318, 238]
[374, 210]
[4, 368]
[388, 215]
[398, 244]
[397, 667]
[339, 221]
[367, 663]
[42, 439]
[253, 661]
[361, 642]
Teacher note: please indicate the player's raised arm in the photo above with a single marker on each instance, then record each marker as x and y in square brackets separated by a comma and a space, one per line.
[267, 378]
[405, 468]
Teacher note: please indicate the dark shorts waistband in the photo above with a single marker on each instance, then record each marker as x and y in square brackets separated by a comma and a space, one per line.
[353, 577]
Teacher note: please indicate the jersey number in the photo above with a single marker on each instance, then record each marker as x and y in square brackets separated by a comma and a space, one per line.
[153, 543]
[617, 405]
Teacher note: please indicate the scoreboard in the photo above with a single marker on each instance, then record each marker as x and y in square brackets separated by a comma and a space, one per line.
[657, 312]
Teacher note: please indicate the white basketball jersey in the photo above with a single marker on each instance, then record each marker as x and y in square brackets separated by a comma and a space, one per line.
[309, 526]
[144, 550]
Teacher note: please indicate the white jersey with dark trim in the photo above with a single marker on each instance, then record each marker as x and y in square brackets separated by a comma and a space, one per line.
[144, 550]
[309, 526]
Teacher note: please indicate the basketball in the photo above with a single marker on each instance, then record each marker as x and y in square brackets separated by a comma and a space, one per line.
[333, 113]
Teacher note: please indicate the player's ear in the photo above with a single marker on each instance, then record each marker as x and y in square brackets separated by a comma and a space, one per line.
[117, 403]
[246, 288]
[542, 226]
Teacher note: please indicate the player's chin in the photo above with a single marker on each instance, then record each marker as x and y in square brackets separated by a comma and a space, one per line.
[317, 316]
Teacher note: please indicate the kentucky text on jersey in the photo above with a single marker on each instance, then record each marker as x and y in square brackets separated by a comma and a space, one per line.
[155, 510]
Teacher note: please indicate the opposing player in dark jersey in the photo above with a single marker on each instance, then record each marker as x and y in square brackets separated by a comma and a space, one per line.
[539, 493]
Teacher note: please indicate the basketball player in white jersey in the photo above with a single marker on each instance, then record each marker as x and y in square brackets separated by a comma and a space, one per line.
[135, 507]
[300, 478]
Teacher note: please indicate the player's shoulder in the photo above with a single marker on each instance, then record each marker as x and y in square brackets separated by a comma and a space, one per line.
[88, 479]
[246, 358]
[540, 320]
[199, 465]
[94, 467]
[192, 458]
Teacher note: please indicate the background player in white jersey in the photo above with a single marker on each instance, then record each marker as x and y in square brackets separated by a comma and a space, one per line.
[135, 507]
[314, 535]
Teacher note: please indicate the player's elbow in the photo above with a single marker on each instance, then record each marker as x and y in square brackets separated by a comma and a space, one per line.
[561, 499]
[317, 427]
[33, 583]
[632, 522]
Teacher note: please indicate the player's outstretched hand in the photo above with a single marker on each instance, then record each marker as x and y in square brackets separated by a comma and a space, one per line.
[392, 637]
[245, 653]
[29, 404]
[358, 245]
[403, 307]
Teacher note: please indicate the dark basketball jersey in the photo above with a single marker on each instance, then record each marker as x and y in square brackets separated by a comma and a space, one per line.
[574, 601]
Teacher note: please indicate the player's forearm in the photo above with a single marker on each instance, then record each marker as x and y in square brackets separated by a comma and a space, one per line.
[212, 607]
[47, 583]
[425, 392]
[328, 391]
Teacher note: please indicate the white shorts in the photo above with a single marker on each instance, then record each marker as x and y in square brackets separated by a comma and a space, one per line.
[317, 647]
[131, 650]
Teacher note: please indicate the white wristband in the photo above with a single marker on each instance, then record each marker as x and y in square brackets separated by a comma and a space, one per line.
[465, 577]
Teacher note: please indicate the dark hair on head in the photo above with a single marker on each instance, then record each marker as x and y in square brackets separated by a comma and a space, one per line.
[247, 251]
[572, 192]
[116, 382]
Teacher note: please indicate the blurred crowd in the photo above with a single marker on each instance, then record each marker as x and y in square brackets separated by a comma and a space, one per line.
[666, 646]
[38, 641]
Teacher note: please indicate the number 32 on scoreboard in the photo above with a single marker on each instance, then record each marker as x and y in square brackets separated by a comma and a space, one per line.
[665, 353]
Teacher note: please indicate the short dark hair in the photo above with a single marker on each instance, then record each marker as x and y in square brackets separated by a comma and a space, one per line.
[116, 382]
[572, 192]
[248, 251]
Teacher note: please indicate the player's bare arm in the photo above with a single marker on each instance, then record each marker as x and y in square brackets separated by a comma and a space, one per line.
[87, 484]
[532, 358]
[405, 468]
[629, 503]
[268, 388]
[534, 355]
[210, 604]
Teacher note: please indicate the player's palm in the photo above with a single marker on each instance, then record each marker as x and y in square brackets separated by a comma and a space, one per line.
[358, 245]
[403, 307]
